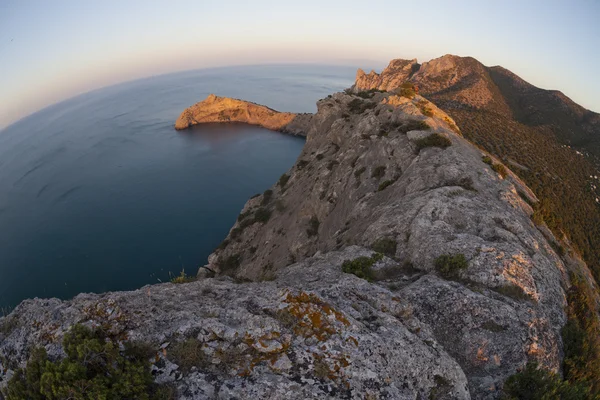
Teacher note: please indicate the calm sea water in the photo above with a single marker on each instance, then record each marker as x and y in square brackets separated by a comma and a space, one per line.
[100, 193]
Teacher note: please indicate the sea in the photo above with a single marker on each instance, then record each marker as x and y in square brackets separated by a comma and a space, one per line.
[100, 193]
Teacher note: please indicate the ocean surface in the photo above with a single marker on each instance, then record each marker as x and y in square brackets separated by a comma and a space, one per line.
[100, 193]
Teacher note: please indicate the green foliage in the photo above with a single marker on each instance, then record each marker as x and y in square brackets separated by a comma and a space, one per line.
[267, 195]
[283, 180]
[183, 278]
[93, 368]
[386, 246]
[385, 184]
[500, 170]
[433, 140]
[513, 291]
[188, 354]
[362, 266]
[230, 264]
[407, 89]
[378, 172]
[487, 160]
[262, 215]
[534, 383]
[359, 172]
[358, 106]
[581, 363]
[367, 94]
[414, 125]
[313, 226]
[449, 266]
[302, 164]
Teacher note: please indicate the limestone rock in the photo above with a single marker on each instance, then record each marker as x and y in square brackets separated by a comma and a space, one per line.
[224, 109]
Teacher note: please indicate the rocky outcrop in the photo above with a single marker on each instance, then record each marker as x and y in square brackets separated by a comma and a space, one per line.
[314, 333]
[225, 109]
[396, 73]
[379, 173]
[372, 173]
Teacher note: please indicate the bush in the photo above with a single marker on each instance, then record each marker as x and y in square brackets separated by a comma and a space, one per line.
[301, 164]
[283, 180]
[183, 278]
[262, 215]
[407, 89]
[93, 368]
[385, 246]
[378, 172]
[188, 354]
[362, 266]
[414, 125]
[230, 264]
[359, 172]
[449, 266]
[313, 226]
[534, 383]
[385, 184]
[487, 160]
[267, 195]
[433, 140]
[500, 169]
[358, 106]
[513, 291]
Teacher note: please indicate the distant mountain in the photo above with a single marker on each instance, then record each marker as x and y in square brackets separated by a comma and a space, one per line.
[548, 140]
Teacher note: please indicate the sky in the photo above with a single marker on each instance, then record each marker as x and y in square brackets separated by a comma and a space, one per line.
[53, 50]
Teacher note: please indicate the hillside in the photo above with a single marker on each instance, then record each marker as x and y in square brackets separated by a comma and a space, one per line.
[394, 260]
[548, 140]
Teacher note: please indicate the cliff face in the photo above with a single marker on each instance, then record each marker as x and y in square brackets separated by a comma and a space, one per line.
[379, 173]
[224, 109]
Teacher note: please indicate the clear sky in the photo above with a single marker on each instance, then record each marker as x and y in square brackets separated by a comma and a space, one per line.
[51, 50]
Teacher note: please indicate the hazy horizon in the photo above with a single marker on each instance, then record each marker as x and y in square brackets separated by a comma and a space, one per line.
[54, 51]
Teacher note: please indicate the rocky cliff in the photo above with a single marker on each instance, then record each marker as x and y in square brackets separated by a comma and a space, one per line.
[224, 109]
[394, 260]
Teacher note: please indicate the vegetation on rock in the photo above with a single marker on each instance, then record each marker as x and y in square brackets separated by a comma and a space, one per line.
[362, 266]
[450, 266]
[94, 368]
[433, 140]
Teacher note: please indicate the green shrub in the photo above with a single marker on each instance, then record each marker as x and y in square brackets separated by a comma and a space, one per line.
[386, 246]
[500, 169]
[283, 180]
[183, 278]
[378, 172]
[513, 291]
[362, 266]
[359, 172]
[267, 195]
[313, 226]
[413, 125]
[230, 264]
[385, 184]
[301, 164]
[407, 89]
[487, 160]
[358, 106]
[188, 354]
[449, 266]
[433, 140]
[534, 383]
[262, 215]
[93, 368]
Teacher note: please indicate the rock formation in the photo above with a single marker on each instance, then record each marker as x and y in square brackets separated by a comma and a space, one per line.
[224, 109]
[384, 182]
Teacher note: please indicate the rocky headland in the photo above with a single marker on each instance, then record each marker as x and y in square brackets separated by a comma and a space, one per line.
[394, 260]
[225, 109]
